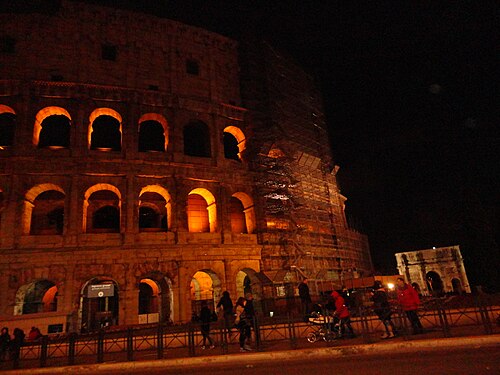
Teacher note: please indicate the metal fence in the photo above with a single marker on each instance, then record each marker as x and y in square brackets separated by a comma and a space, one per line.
[442, 317]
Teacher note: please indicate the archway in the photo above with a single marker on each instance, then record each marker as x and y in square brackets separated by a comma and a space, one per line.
[37, 297]
[248, 281]
[205, 286]
[7, 125]
[153, 133]
[98, 304]
[201, 211]
[434, 284]
[155, 299]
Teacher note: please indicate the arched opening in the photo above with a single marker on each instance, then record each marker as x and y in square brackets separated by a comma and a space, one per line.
[47, 214]
[456, 284]
[434, 284]
[7, 126]
[247, 210]
[201, 211]
[153, 133]
[36, 297]
[155, 209]
[102, 209]
[248, 281]
[105, 130]
[155, 299]
[152, 213]
[54, 132]
[197, 139]
[98, 304]
[237, 215]
[205, 286]
[52, 128]
[234, 143]
[231, 150]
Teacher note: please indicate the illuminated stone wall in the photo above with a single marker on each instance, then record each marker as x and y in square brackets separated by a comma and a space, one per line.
[91, 70]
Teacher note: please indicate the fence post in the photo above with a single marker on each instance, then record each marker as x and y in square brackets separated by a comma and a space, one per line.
[130, 344]
[365, 329]
[443, 320]
[71, 348]
[100, 346]
[256, 329]
[291, 332]
[43, 351]
[159, 341]
[224, 334]
[191, 347]
[485, 317]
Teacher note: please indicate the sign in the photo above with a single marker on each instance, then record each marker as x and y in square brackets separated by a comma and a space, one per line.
[100, 290]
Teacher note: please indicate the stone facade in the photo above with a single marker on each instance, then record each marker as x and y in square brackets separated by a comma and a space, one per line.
[435, 271]
[128, 168]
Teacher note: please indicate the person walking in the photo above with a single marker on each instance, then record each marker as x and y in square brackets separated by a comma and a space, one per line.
[342, 313]
[15, 346]
[226, 304]
[305, 297]
[382, 308]
[242, 324]
[205, 319]
[4, 343]
[409, 301]
[250, 314]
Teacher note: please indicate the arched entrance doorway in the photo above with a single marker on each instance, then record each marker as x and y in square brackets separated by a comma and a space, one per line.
[98, 304]
[434, 284]
[155, 299]
[205, 286]
[250, 281]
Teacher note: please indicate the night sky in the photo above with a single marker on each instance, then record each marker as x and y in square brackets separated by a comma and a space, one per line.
[411, 97]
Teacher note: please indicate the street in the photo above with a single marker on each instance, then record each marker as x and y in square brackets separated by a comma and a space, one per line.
[477, 361]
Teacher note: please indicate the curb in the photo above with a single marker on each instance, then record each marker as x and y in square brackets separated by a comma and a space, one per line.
[365, 349]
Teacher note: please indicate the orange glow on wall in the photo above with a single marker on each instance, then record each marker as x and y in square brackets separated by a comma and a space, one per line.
[42, 115]
[201, 211]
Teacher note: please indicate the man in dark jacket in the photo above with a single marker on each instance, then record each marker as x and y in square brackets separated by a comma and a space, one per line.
[382, 308]
[205, 319]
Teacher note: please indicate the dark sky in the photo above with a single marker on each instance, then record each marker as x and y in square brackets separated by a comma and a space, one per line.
[410, 92]
[411, 97]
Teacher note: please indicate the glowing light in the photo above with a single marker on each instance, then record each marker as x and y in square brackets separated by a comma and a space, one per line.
[390, 286]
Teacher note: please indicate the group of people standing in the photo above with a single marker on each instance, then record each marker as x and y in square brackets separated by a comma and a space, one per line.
[12, 345]
[407, 299]
[241, 316]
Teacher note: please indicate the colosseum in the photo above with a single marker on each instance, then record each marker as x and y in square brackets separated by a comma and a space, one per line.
[147, 165]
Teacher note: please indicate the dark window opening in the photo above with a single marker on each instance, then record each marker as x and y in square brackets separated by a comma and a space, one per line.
[197, 139]
[151, 136]
[47, 216]
[7, 44]
[107, 217]
[109, 52]
[146, 299]
[231, 149]
[56, 219]
[55, 132]
[148, 218]
[153, 87]
[7, 126]
[192, 67]
[106, 134]
[40, 297]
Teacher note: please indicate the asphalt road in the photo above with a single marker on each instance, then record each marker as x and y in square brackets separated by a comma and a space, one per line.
[476, 361]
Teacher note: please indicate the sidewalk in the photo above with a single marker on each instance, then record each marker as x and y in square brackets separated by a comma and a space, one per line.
[254, 357]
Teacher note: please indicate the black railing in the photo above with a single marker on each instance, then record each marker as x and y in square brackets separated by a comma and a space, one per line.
[446, 317]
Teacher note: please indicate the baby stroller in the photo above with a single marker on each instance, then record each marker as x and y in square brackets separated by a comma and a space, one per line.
[325, 326]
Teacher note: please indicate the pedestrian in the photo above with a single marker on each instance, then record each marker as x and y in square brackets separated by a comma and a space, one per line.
[305, 297]
[383, 309]
[342, 314]
[206, 316]
[250, 313]
[4, 343]
[409, 301]
[226, 304]
[242, 324]
[15, 346]
[34, 334]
